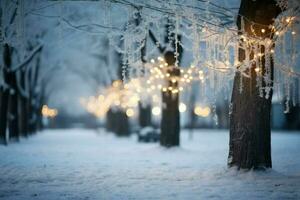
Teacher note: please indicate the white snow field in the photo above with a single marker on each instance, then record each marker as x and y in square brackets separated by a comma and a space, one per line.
[85, 164]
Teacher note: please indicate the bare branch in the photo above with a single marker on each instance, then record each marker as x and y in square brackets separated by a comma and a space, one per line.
[28, 59]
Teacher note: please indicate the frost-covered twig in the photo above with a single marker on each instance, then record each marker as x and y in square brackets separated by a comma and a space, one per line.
[28, 59]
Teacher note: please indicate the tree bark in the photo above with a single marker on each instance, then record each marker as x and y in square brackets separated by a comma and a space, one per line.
[144, 115]
[3, 116]
[117, 122]
[23, 116]
[170, 121]
[5, 95]
[13, 116]
[250, 131]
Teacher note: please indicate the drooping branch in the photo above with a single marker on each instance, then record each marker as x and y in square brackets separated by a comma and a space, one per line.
[28, 59]
[155, 41]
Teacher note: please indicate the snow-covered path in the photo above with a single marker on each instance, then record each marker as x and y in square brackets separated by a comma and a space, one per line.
[83, 164]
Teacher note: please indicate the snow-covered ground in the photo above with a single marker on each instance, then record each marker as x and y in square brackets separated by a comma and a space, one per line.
[84, 164]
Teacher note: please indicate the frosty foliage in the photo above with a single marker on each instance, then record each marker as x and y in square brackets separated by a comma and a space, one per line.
[209, 38]
[212, 38]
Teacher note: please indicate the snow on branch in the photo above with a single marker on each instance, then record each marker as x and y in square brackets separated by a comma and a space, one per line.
[28, 59]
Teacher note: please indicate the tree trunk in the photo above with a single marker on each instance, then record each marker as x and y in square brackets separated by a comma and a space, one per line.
[117, 122]
[144, 110]
[23, 116]
[3, 116]
[250, 131]
[144, 115]
[33, 90]
[5, 95]
[170, 121]
[192, 116]
[31, 117]
[13, 117]
[121, 123]
[23, 108]
[13, 113]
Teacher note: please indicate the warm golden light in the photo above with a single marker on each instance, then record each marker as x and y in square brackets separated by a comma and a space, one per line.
[48, 112]
[156, 110]
[130, 112]
[202, 112]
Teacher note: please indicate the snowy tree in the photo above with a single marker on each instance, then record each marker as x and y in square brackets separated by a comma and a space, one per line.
[250, 129]
[14, 75]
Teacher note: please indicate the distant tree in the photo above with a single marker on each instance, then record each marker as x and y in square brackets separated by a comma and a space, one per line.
[170, 119]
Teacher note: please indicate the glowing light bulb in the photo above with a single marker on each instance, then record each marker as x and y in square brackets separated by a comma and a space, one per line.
[156, 110]
[202, 112]
[175, 91]
[130, 112]
[182, 107]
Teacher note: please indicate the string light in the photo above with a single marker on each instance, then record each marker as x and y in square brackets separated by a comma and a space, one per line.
[202, 112]
[48, 112]
[130, 112]
[156, 111]
[159, 77]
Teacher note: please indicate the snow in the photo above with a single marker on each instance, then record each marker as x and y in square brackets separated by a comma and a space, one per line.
[85, 164]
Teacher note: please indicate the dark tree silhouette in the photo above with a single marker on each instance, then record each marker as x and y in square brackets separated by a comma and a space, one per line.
[170, 122]
[18, 113]
[5, 94]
